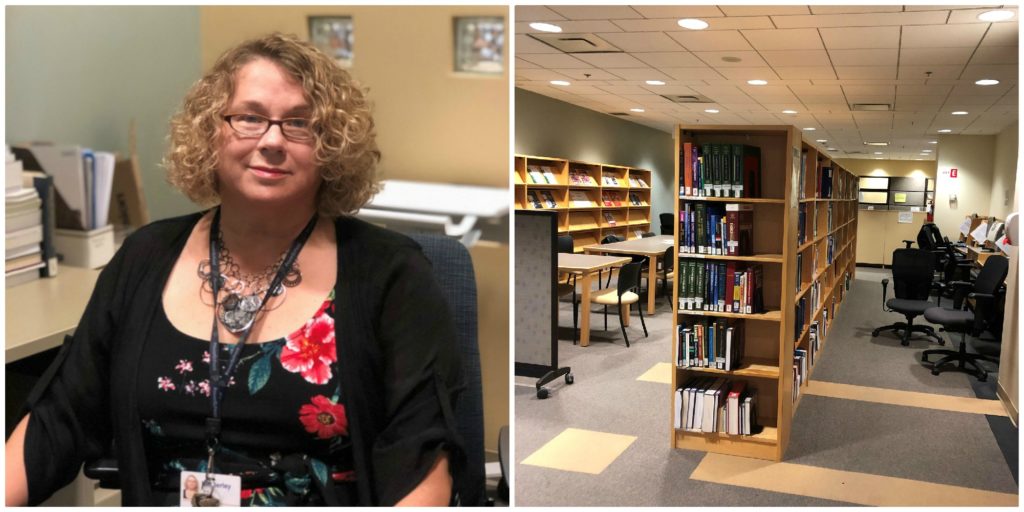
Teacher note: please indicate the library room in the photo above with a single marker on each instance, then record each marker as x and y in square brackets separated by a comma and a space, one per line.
[766, 255]
[129, 130]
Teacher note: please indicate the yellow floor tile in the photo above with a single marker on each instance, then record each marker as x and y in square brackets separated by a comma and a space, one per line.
[660, 373]
[583, 451]
[846, 486]
[907, 398]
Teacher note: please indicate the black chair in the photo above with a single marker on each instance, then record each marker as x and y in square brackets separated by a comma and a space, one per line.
[565, 245]
[647, 234]
[954, 268]
[453, 270]
[667, 272]
[912, 279]
[625, 292]
[668, 223]
[611, 239]
[988, 292]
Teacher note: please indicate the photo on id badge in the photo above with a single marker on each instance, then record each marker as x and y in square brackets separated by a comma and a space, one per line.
[218, 491]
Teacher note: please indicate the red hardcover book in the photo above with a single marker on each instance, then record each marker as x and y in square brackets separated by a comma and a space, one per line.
[740, 223]
[686, 170]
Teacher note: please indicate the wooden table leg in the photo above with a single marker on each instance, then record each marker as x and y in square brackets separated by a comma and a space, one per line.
[625, 314]
[652, 271]
[584, 311]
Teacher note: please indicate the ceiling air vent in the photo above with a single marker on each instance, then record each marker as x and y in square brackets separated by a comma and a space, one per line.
[871, 107]
[576, 43]
[686, 98]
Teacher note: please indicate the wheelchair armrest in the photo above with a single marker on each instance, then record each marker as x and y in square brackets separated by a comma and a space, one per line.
[104, 470]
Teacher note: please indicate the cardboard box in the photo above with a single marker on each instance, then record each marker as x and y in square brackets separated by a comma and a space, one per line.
[88, 249]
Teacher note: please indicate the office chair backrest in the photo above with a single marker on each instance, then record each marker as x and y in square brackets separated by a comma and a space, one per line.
[453, 270]
[669, 260]
[629, 277]
[992, 274]
[935, 234]
[912, 273]
[924, 238]
[565, 244]
[611, 239]
[668, 223]
[647, 234]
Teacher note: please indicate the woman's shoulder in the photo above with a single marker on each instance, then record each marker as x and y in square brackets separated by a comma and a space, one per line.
[161, 234]
[372, 237]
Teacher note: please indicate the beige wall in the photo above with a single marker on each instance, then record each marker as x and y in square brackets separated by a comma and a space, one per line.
[433, 125]
[1004, 173]
[1008, 387]
[973, 156]
[878, 232]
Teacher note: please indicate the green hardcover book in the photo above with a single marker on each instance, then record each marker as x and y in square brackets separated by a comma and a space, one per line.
[736, 170]
[716, 171]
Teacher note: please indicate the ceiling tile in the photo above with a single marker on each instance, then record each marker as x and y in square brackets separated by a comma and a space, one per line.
[861, 20]
[584, 90]
[622, 89]
[995, 55]
[642, 42]
[677, 11]
[959, 102]
[817, 90]
[744, 74]
[936, 72]
[855, 38]
[805, 72]
[929, 56]
[943, 36]
[791, 39]
[581, 74]
[554, 60]
[831, 108]
[671, 90]
[777, 58]
[821, 98]
[738, 22]
[670, 59]
[610, 60]
[746, 59]
[692, 73]
[655, 25]
[538, 74]
[526, 44]
[970, 89]
[763, 10]
[719, 90]
[595, 12]
[850, 9]
[571, 27]
[971, 15]
[642, 74]
[856, 91]
[999, 72]
[536, 13]
[704, 41]
[866, 72]
[936, 90]
[1002, 34]
[523, 64]
[865, 57]
[919, 99]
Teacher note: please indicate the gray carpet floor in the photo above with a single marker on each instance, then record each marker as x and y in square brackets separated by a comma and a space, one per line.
[907, 442]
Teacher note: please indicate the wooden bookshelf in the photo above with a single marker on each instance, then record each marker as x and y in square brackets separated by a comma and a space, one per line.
[766, 363]
[579, 190]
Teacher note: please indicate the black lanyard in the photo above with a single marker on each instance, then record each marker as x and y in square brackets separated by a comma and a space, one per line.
[219, 380]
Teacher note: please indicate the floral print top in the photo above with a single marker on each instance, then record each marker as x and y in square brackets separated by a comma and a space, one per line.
[282, 410]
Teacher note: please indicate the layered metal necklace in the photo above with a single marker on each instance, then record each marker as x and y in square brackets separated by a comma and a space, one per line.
[240, 295]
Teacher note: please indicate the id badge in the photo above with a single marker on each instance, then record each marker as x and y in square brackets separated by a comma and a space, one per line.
[213, 490]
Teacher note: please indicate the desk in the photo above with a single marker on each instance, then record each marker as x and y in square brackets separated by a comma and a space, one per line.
[652, 247]
[585, 265]
[976, 255]
[41, 312]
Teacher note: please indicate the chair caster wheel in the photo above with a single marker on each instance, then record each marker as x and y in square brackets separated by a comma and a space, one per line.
[569, 379]
[935, 372]
[542, 393]
[924, 358]
[874, 334]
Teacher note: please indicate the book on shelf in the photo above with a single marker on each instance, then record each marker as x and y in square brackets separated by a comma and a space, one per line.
[44, 187]
[716, 405]
[633, 182]
[799, 271]
[634, 199]
[720, 170]
[740, 223]
[607, 198]
[725, 287]
[825, 183]
[609, 218]
[802, 182]
[801, 224]
[536, 175]
[711, 343]
[549, 200]
[642, 183]
[549, 177]
[579, 198]
[531, 197]
[733, 413]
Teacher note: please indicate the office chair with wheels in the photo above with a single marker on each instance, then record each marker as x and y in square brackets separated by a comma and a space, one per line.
[668, 223]
[453, 270]
[912, 278]
[988, 292]
[954, 268]
[625, 292]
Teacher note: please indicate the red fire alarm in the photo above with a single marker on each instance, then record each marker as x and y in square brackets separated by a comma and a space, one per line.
[952, 173]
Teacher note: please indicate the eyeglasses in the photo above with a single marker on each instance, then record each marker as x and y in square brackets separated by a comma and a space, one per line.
[254, 125]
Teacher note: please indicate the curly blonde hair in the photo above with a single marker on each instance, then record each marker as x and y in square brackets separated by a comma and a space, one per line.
[345, 144]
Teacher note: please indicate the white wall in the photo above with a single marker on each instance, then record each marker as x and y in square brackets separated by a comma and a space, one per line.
[974, 157]
[1004, 175]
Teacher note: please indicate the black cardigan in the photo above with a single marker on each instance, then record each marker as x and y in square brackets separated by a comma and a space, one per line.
[396, 357]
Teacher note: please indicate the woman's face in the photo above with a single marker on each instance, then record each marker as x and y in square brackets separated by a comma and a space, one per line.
[191, 483]
[270, 169]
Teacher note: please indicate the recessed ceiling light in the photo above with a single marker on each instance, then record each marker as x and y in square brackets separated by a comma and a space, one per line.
[636, 110]
[693, 24]
[559, 82]
[878, 152]
[821, 140]
[986, 81]
[926, 151]
[545, 27]
[876, 143]
[711, 111]
[878, 158]
[933, 142]
[960, 113]
[789, 111]
[945, 130]
[655, 82]
[757, 82]
[810, 129]
[995, 15]
[832, 149]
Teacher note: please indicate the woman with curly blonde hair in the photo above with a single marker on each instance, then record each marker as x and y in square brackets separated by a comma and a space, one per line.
[272, 337]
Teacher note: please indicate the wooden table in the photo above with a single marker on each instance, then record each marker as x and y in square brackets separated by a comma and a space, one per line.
[976, 255]
[41, 312]
[652, 247]
[585, 266]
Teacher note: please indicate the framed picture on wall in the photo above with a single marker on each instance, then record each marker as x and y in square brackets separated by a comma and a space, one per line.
[480, 44]
[333, 36]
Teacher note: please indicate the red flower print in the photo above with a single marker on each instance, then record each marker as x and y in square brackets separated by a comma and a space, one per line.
[184, 366]
[206, 356]
[324, 418]
[165, 384]
[204, 387]
[310, 350]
